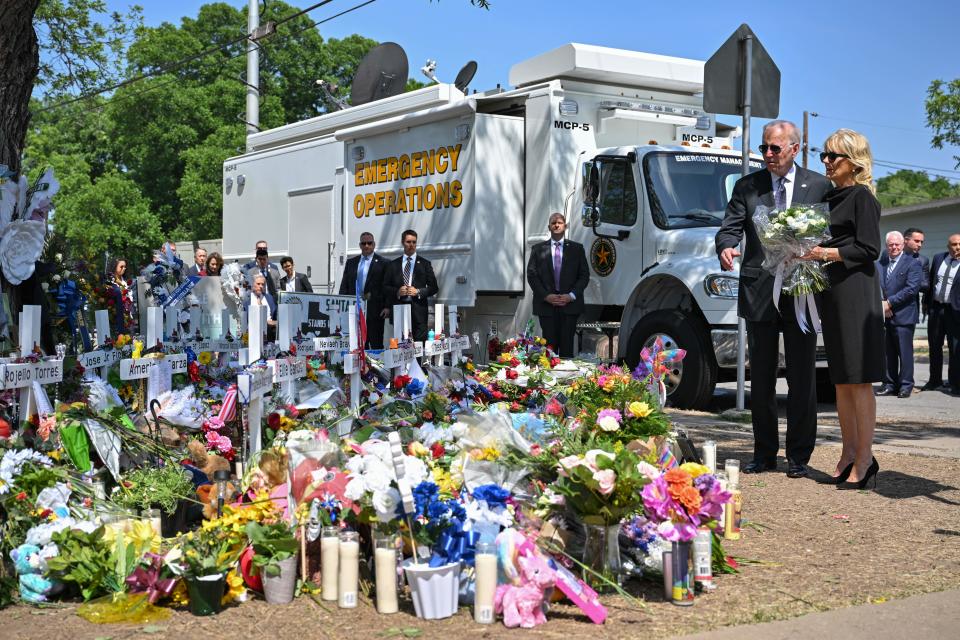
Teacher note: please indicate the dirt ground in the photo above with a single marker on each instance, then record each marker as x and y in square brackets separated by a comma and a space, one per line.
[806, 547]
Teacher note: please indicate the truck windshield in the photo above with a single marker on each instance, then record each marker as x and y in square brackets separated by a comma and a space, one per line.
[690, 189]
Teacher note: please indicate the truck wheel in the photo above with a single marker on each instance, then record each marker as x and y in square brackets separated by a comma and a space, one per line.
[689, 383]
[826, 391]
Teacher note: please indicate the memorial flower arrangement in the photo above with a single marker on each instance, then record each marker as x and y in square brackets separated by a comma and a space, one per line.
[787, 234]
[682, 499]
[602, 487]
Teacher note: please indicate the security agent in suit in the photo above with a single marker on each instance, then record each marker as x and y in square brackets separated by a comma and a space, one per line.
[912, 243]
[944, 317]
[293, 281]
[263, 267]
[781, 183]
[558, 297]
[415, 290]
[200, 263]
[371, 276]
[901, 276]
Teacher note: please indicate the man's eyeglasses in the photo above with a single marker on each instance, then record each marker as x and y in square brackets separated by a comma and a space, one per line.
[832, 156]
[364, 243]
[775, 149]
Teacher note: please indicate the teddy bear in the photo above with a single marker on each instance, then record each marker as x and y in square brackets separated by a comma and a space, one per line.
[207, 464]
[30, 566]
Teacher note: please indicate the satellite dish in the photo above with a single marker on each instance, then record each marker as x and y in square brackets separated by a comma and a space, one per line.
[465, 76]
[382, 73]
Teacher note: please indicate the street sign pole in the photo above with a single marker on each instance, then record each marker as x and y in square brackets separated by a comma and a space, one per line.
[745, 169]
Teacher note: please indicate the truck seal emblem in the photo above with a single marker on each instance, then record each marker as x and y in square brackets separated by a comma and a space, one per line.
[603, 257]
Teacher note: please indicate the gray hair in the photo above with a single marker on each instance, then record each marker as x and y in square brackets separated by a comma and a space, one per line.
[896, 235]
[791, 128]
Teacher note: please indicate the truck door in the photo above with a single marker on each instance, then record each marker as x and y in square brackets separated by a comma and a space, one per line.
[311, 221]
[611, 211]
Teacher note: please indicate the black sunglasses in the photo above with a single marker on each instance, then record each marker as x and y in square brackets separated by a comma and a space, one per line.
[365, 242]
[832, 156]
[775, 149]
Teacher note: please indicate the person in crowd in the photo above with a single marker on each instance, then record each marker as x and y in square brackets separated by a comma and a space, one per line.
[120, 288]
[199, 266]
[944, 317]
[263, 267]
[410, 280]
[851, 309]
[557, 273]
[901, 276]
[261, 244]
[214, 264]
[366, 272]
[780, 184]
[293, 281]
[913, 239]
[259, 296]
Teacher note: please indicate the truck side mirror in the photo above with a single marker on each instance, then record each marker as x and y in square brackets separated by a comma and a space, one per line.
[591, 182]
[589, 215]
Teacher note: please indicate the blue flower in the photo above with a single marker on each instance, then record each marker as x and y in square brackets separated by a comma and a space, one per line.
[494, 495]
[415, 387]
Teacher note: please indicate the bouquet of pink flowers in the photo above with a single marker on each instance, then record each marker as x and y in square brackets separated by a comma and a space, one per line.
[682, 499]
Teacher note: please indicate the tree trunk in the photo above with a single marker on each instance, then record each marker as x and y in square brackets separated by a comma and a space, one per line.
[19, 61]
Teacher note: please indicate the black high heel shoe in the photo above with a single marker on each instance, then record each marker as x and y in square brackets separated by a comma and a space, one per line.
[872, 472]
[840, 479]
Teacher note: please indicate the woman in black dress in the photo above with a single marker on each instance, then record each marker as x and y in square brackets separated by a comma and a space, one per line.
[851, 308]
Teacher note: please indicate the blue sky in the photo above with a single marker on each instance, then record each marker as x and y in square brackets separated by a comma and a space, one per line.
[861, 65]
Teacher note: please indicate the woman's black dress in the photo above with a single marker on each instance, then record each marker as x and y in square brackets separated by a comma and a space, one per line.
[851, 310]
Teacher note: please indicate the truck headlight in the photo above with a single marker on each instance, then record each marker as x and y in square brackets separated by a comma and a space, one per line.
[722, 286]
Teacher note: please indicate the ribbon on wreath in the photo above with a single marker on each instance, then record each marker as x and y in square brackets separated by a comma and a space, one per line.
[801, 304]
[454, 545]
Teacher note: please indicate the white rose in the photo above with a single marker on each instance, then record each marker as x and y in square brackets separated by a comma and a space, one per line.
[20, 248]
[415, 470]
[385, 504]
[377, 478]
[608, 423]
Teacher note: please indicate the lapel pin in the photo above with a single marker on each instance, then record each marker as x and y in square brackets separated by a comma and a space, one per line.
[803, 186]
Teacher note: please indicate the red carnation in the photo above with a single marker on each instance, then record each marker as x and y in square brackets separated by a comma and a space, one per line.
[437, 450]
[511, 374]
[514, 362]
[273, 420]
[22, 495]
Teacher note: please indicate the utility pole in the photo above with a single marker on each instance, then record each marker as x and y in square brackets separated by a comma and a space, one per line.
[806, 134]
[253, 69]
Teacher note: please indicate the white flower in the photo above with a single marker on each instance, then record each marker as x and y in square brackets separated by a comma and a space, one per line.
[415, 470]
[355, 489]
[377, 478]
[45, 286]
[58, 257]
[20, 247]
[647, 470]
[56, 277]
[590, 458]
[608, 423]
[385, 504]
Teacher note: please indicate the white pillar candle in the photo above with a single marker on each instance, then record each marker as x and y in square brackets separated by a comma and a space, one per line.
[732, 467]
[329, 562]
[486, 565]
[349, 569]
[710, 455]
[385, 560]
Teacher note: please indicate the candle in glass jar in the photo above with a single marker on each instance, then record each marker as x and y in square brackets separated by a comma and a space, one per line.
[153, 515]
[732, 467]
[710, 455]
[486, 566]
[349, 569]
[385, 561]
[329, 562]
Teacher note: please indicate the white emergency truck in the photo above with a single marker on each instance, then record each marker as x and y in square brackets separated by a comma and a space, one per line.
[477, 177]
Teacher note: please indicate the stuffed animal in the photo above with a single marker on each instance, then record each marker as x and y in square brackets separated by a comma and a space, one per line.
[207, 464]
[30, 566]
[523, 606]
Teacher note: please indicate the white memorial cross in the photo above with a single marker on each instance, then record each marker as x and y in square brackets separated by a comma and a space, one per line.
[26, 375]
[154, 327]
[101, 358]
[288, 318]
[252, 384]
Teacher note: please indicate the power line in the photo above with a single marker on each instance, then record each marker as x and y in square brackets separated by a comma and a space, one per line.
[901, 165]
[872, 124]
[176, 65]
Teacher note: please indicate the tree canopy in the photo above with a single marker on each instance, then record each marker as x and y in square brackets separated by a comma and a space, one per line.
[943, 114]
[144, 162]
[907, 187]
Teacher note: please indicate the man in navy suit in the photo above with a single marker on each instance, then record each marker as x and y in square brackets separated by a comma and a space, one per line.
[410, 280]
[367, 269]
[945, 313]
[558, 275]
[901, 276]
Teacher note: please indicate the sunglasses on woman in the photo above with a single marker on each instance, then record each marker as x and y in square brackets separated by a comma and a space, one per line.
[832, 156]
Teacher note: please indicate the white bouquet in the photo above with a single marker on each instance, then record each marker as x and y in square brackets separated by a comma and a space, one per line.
[787, 234]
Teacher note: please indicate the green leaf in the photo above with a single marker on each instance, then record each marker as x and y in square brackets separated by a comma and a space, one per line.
[153, 628]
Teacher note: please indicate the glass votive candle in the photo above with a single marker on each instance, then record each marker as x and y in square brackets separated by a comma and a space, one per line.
[710, 455]
[732, 467]
[153, 516]
[349, 569]
[385, 569]
[329, 562]
[485, 561]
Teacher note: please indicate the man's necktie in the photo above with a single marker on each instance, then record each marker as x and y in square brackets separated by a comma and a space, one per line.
[780, 195]
[362, 276]
[891, 267]
[942, 289]
[556, 266]
[407, 271]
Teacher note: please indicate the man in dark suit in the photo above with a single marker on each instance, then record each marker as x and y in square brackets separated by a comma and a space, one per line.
[199, 266]
[367, 270]
[900, 280]
[410, 280]
[293, 281]
[944, 319]
[558, 275]
[263, 267]
[781, 184]
[259, 296]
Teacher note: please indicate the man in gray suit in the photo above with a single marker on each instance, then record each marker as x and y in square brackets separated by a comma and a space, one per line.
[263, 267]
[781, 184]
